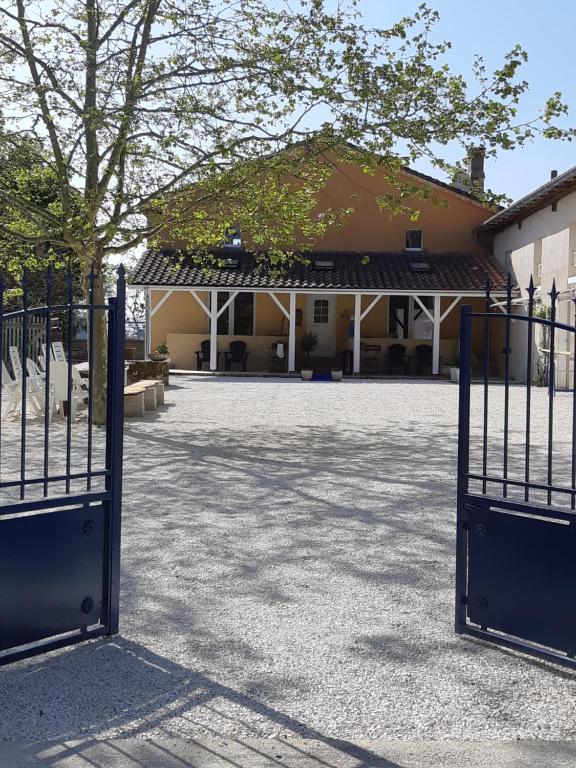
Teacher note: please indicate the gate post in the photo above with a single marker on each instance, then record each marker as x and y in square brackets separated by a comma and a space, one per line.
[114, 445]
[463, 464]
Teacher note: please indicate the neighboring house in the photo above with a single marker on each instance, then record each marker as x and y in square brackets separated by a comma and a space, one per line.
[378, 281]
[536, 236]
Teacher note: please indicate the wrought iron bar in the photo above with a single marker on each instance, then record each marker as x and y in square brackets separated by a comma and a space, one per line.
[520, 483]
[53, 308]
[463, 464]
[69, 285]
[90, 371]
[551, 385]
[55, 478]
[23, 404]
[486, 367]
[116, 433]
[507, 380]
[47, 382]
[529, 343]
[573, 502]
[2, 360]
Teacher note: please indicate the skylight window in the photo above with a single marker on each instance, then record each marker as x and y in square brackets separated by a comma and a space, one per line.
[419, 266]
[324, 264]
[414, 239]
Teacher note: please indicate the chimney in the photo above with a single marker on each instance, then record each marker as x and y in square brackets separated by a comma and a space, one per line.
[553, 174]
[476, 168]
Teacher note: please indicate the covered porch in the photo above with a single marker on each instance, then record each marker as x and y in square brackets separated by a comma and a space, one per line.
[375, 333]
[373, 313]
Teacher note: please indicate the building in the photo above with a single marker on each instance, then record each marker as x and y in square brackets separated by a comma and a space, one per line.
[378, 282]
[536, 236]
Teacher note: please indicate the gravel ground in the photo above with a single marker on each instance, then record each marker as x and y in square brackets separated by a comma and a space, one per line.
[288, 564]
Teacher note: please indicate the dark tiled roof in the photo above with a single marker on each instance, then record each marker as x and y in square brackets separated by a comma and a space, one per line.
[548, 193]
[451, 272]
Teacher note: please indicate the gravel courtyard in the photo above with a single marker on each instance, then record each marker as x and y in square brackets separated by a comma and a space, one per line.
[288, 562]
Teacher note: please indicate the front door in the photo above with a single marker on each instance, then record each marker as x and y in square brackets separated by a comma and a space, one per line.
[321, 321]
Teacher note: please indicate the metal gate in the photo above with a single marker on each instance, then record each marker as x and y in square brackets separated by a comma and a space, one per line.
[60, 475]
[516, 536]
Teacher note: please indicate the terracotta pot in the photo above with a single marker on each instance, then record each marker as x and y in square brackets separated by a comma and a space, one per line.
[159, 357]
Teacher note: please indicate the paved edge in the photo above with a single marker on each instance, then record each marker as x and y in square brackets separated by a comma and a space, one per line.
[166, 752]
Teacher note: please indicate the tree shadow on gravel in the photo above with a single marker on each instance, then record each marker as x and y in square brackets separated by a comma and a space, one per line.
[105, 689]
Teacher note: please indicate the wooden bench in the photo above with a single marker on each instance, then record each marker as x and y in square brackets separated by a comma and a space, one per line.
[134, 400]
[159, 387]
[143, 396]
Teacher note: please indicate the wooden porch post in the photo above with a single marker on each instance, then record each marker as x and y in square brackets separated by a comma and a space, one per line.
[147, 328]
[436, 336]
[213, 330]
[357, 333]
[292, 334]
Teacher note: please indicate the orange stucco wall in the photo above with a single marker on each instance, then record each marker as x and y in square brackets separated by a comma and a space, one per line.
[448, 223]
[446, 228]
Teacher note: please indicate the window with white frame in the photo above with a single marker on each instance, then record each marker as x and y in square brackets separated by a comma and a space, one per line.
[238, 317]
[321, 311]
[414, 239]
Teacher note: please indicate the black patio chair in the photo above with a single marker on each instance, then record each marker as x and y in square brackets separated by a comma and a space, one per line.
[237, 355]
[397, 358]
[423, 354]
[203, 354]
[371, 357]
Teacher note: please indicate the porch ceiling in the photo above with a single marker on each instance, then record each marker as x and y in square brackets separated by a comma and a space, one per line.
[352, 271]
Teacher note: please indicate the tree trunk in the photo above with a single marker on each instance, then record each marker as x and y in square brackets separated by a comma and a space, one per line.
[99, 353]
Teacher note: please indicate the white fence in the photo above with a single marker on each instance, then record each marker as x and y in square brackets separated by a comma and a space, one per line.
[12, 336]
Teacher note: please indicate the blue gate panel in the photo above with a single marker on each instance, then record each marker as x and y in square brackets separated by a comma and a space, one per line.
[522, 577]
[51, 574]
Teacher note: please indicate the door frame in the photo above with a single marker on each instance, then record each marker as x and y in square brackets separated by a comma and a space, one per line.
[326, 332]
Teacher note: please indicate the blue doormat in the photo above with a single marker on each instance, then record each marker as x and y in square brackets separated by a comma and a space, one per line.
[321, 377]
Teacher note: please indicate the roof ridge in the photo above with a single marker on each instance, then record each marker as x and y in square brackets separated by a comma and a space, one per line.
[531, 200]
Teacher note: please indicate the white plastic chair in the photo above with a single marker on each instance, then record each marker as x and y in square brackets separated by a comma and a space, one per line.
[45, 353]
[58, 352]
[35, 389]
[33, 369]
[16, 362]
[11, 394]
[59, 382]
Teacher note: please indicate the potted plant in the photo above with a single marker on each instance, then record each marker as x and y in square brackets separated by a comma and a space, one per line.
[337, 374]
[455, 369]
[309, 342]
[160, 353]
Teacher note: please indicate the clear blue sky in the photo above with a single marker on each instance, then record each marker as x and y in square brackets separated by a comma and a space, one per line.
[491, 27]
